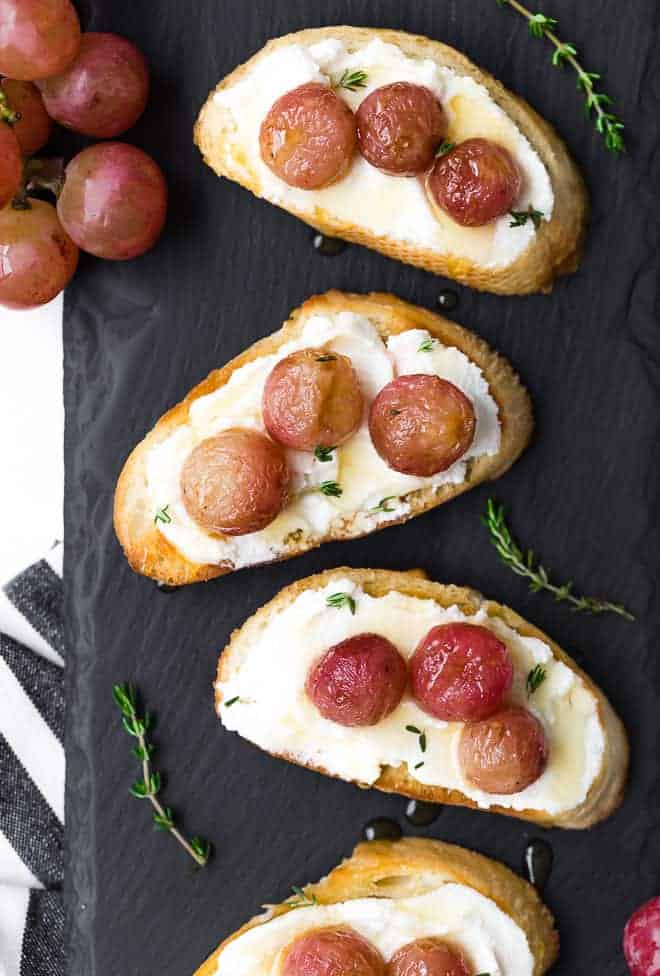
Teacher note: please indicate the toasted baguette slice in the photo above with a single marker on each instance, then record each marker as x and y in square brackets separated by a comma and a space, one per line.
[391, 870]
[150, 553]
[554, 250]
[607, 786]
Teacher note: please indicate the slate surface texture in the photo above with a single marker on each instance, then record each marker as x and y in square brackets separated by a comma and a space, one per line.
[228, 270]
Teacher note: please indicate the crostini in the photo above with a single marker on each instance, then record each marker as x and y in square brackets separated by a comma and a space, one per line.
[391, 681]
[400, 143]
[360, 412]
[396, 907]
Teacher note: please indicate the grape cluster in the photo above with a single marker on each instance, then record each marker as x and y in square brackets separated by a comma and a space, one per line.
[112, 198]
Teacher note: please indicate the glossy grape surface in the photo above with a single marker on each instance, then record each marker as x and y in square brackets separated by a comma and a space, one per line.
[505, 753]
[428, 957]
[421, 424]
[400, 127]
[114, 201]
[11, 164]
[308, 137]
[38, 38]
[103, 92]
[35, 125]
[476, 182]
[336, 951]
[312, 399]
[37, 258]
[460, 672]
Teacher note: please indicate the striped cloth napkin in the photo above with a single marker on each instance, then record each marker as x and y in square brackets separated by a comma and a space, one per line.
[32, 771]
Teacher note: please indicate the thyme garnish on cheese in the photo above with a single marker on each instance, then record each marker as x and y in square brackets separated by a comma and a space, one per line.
[520, 217]
[162, 515]
[535, 678]
[352, 80]
[339, 600]
[323, 453]
[331, 488]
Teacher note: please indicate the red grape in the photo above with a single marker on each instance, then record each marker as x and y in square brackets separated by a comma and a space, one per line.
[114, 201]
[641, 940]
[11, 164]
[34, 126]
[38, 38]
[104, 92]
[505, 753]
[37, 258]
[331, 951]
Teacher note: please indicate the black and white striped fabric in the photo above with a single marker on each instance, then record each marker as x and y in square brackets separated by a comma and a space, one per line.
[32, 771]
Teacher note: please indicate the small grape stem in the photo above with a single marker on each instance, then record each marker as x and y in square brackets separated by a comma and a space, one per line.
[158, 806]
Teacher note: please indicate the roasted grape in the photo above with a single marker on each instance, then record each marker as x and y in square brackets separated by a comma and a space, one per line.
[114, 201]
[308, 137]
[460, 672]
[34, 126]
[312, 399]
[339, 951]
[37, 257]
[103, 92]
[505, 753]
[236, 482]
[11, 164]
[428, 957]
[421, 424]
[38, 38]
[359, 681]
[399, 128]
[476, 182]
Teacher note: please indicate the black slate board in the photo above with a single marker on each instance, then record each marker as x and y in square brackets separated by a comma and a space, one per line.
[228, 270]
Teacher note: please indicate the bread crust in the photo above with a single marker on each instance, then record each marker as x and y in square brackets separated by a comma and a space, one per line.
[149, 552]
[413, 866]
[557, 246]
[606, 792]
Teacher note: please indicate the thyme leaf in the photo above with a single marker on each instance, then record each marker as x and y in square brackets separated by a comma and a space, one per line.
[339, 600]
[607, 124]
[526, 565]
[149, 787]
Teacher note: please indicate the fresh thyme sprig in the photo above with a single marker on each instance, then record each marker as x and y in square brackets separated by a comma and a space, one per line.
[162, 515]
[427, 345]
[520, 217]
[323, 453]
[535, 678]
[339, 600]
[384, 505]
[331, 488]
[444, 148]
[607, 124]
[149, 787]
[524, 564]
[352, 80]
[301, 898]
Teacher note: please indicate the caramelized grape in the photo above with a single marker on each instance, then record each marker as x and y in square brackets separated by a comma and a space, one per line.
[34, 126]
[104, 92]
[399, 128]
[38, 38]
[641, 940]
[427, 957]
[308, 137]
[312, 399]
[37, 258]
[359, 681]
[475, 182]
[236, 482]
[11, 164]
[460, 672]
[421, 424]
[331, 951]
[504, 753]
[114, 201]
